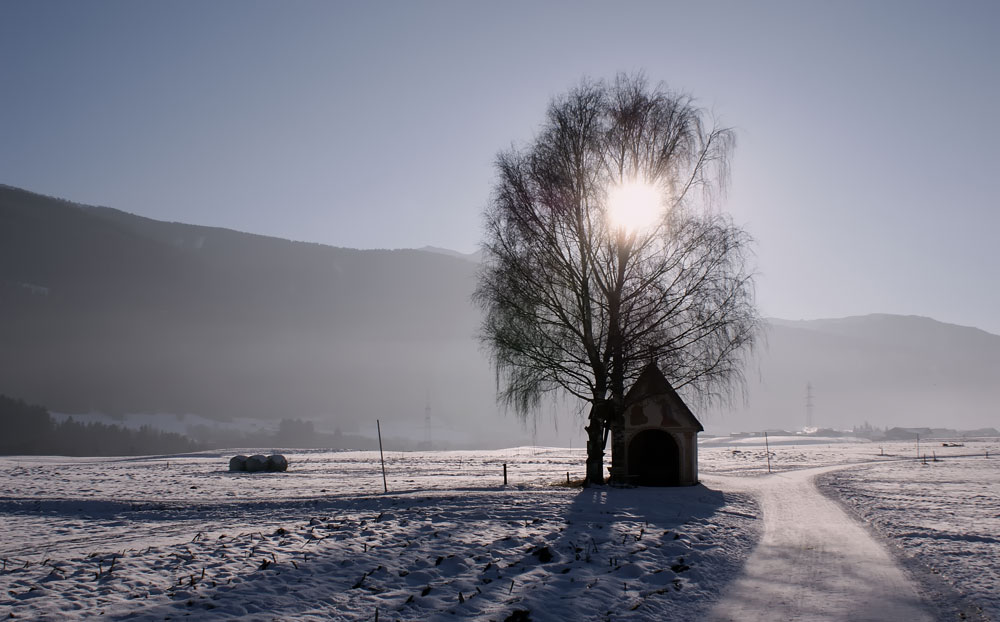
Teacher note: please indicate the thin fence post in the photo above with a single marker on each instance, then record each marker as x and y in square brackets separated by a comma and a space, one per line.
[504, 473]
[378, 426]
[767, 450]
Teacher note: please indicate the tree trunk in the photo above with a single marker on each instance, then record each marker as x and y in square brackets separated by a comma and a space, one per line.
[595, 453]
[614, 417]
[596, 441]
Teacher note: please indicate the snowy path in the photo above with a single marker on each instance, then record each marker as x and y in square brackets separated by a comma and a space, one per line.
[814, 562]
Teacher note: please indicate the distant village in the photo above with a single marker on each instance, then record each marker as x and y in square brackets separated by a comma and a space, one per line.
[875, 433]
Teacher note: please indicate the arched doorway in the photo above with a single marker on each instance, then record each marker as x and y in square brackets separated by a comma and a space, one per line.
[654, 459]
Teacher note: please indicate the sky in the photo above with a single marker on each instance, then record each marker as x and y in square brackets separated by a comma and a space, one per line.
[866, 166]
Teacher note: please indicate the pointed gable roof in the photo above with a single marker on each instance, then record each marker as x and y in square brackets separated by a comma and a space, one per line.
[651, 383]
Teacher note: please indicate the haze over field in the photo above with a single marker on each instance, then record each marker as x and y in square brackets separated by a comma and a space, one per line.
[113, 313]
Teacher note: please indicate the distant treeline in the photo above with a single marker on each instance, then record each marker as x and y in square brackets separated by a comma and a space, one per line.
[28, 429]
[291, 433]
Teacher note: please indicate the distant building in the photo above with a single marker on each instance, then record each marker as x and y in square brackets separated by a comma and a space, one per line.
[906, 434]
[659, 436]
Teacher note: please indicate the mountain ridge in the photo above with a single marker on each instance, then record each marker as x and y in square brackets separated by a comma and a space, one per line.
[831, 323]
[106, 311]
[209, 304]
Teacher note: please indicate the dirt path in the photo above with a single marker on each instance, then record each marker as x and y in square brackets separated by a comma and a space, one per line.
[814, 562]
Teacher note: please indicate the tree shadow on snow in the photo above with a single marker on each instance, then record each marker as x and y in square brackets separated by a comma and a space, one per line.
[483, 554]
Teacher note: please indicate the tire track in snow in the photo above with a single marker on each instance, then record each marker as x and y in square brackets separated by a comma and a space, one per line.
[814, 562]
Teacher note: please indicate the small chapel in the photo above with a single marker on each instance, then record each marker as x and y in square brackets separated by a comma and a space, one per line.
[659, 435]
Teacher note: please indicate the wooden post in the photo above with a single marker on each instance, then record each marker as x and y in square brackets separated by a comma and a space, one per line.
[378, 426]
[504, 473]
[767, 450]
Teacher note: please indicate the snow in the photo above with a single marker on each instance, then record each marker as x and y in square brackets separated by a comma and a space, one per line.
[171, 536]
[941, 516]
[152, 538]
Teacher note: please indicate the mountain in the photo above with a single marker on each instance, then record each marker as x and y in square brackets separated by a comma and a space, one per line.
[887, 370]
[475, 257]
[105, 311]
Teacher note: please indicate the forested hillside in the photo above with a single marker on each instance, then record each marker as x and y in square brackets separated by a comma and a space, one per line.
[27, 429]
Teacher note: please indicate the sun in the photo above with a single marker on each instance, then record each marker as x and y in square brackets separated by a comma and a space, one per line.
[633, 206]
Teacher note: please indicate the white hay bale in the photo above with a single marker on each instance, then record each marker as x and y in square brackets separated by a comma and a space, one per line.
[277, 462]
[256, 463]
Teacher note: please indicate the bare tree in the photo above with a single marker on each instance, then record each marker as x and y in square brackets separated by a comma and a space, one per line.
[577, 298]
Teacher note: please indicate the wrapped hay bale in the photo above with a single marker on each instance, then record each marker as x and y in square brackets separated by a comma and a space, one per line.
[277, 462]
[238, 463]
[256, 463]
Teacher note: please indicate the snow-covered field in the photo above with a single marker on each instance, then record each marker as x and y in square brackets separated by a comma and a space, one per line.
[747, 456]
[942, 517]
[173, 536]
[158, 538]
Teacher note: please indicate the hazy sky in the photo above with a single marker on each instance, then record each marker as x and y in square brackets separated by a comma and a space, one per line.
[867, 165]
